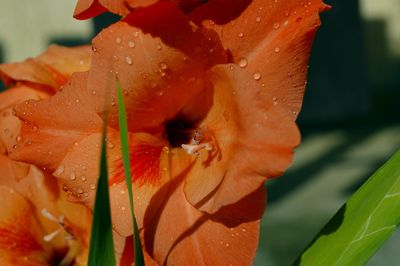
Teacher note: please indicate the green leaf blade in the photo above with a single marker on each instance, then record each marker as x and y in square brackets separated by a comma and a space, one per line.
[101, 252]
[123, 129]
[363, 224]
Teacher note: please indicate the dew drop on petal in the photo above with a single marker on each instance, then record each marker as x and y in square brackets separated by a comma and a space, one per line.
[243, 62]
[163, 66]
[72, 176]
[258, 19]
[128, 60]
[241, 34]
[277, 49]
[92, 186]
[59, 170]
[118, 40]
[131, 44]
[276, 25]
[257, 76]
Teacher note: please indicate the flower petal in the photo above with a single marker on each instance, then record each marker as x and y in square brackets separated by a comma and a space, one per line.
[86, 9]
[51, 69]
[52, 126]
[20, 234]
[269, 39]
[9, 123]
[253, 139]
[182, 235]
[152, 54]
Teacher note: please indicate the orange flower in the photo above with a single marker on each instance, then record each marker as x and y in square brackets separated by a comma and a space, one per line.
[37, 225]
[211, 100]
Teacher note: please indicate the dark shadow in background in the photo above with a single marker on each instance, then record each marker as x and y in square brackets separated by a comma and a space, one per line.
[337, 83]
[354, 86]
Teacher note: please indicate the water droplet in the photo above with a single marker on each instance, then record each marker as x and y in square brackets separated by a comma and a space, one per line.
[72, 176]
[159, 47]
[93, 92]
[163, 66]
[257, 76]
[85, 194]
[79, 190]
[241, 34]
[35, 128]
[110, 145]
[136, 34]
[19, 138]
[92, 186]
[299, 19]
[122, 191]
[131, 44]
[287, 14]
[59, 170]
[118, 40]
[277, 49]
[81, 62]
[243, 62]
[258, 19]
[83, 178]
[227, 245]
[276, 25]
[128, 60]
[290, 74]
[123, 208]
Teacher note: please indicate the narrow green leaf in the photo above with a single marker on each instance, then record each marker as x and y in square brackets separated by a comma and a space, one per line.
[123, 129]
[101, 250]
[363, 224]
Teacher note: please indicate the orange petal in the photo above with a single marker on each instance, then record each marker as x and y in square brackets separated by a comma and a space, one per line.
[150, 171]
[10, 124]
[51, 69]
[252, 136]
[269, 39]
[154, 66]
[182, 235]
[20, 234]
[86, 9]
[52, 126]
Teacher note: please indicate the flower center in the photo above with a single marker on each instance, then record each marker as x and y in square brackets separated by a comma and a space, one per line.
[180, 131]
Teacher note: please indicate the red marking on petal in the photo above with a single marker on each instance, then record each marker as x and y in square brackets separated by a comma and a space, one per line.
[145, 164]
[16, 237]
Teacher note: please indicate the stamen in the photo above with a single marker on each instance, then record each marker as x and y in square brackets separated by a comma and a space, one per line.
[52, 235]
[193, 149]
[61, 224]
[49, 216]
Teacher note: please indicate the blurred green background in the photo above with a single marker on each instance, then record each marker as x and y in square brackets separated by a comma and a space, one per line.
[350, 120]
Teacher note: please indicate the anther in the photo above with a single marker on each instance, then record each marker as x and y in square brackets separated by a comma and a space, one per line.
[61, 224]
[193, 149]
